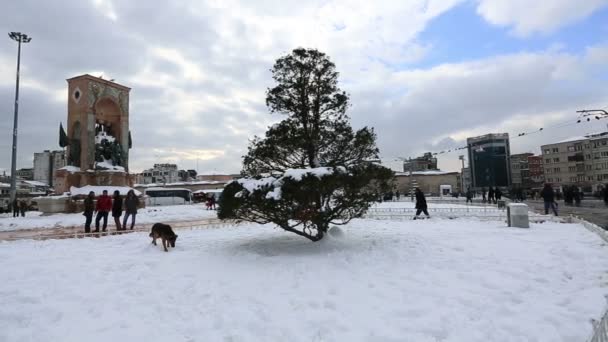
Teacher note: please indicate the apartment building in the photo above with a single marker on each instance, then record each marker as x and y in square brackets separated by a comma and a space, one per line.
[580, 161]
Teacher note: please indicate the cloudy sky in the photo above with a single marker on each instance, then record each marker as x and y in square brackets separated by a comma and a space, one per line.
[424, 73]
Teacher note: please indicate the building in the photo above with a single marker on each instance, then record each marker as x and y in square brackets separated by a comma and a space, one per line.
[580, 161]
[425, 163]
[429, 182]
[46, 164]
[520, 171]
[218, 177]
[186, 175]
[25, 174]
[489, 160]
[161, 173]
[537, 173]
[466, 179]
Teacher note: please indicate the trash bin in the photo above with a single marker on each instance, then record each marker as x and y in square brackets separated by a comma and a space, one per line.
[517, 215]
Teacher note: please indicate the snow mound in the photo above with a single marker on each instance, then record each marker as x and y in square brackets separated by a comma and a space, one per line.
[336, 232]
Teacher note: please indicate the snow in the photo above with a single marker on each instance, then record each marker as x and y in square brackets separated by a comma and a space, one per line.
[377, 281]
[256, 184]
[101, 136]
[98, 190]
[35, 183]
[318, 172]
[426, 173]
[35, 219]
[108, 166]
[71, 168]
[178, 183]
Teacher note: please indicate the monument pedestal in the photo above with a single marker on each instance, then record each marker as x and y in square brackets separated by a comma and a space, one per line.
[66, 179]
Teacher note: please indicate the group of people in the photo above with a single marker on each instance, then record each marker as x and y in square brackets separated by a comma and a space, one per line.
[19, 207]
[494, 195]
[106, 204]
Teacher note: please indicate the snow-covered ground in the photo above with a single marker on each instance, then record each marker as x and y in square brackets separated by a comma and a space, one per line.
[35, 219]
[435, 280]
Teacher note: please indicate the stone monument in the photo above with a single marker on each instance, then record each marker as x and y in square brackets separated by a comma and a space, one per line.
[98, 139]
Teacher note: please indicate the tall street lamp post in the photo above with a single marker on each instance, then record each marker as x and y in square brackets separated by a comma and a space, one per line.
[19, 38]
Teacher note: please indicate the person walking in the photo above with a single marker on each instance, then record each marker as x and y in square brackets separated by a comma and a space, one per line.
[89, 209]
[117, 209]
[104, 205]
[491, 195]
[421, 205]
[497, 194]
[548, 196]
[22, 207]
[131, 204]
[15, 208]
[483, 195]
[469, 195]
[397, 194]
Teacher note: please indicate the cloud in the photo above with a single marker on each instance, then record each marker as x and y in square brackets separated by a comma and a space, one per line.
[530, 17]
[199, 71]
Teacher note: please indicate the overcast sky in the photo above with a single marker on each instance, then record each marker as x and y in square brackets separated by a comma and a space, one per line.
[424, 74]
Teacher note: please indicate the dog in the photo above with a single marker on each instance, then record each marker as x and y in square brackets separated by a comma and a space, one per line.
[164, 232]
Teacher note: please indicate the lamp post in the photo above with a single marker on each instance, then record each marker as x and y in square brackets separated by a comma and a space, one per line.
[19, 38]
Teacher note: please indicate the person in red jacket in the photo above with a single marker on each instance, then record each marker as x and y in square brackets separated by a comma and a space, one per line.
[104, 205]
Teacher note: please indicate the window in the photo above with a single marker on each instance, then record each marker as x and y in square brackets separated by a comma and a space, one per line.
[547, 151]
[578, 147]
[556, 170]
[604, 154]
[590, 178]
[588, 167]
[571, 148]
[571, 168]
[603, 142]
[548, 161]
[556, 160]
[596, 155]
[588, 157]
[555, 150]
[548, 171]
[587, 146]
[557, 180]
[550, 180]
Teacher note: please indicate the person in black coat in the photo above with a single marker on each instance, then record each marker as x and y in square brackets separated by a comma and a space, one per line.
[548, 196]
[491, 195]
[421, 204]
[117, 209]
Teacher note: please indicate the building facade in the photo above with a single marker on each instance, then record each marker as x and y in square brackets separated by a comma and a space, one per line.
[580, 161]
[429, 182]
[46, 164]
[520, 170]
[425, 163]
[161, 173]
[489, 160]
[537, 173]
[25, 174]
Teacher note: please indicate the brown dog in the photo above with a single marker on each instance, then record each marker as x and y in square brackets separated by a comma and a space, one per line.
[163, 231]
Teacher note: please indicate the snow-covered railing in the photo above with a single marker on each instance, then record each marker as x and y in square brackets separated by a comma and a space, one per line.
[600, 329]
[476, 212]
[49, 234]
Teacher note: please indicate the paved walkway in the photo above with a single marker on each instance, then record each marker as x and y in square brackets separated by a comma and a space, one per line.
[78, 232]
[592, 211]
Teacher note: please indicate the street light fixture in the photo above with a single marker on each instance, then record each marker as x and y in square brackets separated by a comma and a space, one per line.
[19, 38]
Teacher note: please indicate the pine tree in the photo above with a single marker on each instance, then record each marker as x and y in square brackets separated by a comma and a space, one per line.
[311, 169]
